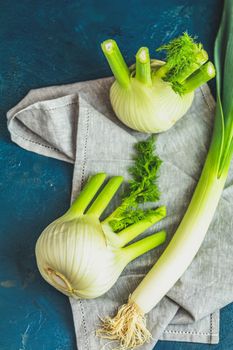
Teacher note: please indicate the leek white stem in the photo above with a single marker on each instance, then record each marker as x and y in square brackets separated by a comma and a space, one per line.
[185, 242]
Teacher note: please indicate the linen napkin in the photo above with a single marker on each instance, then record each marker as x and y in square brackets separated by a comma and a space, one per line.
[75, 123]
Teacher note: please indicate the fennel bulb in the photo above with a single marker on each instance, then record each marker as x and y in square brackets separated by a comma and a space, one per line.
[129, 325]
[152, 95]
[82, 256]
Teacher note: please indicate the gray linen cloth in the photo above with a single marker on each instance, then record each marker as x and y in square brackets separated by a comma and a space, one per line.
[75, 123]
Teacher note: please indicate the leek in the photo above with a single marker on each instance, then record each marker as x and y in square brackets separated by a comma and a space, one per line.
[83, 256]
[129, 325]
[153, 95]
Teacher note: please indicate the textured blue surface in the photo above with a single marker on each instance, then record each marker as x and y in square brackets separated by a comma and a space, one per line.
[54, 42]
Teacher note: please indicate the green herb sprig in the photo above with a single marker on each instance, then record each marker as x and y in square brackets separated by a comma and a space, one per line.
[142, 188]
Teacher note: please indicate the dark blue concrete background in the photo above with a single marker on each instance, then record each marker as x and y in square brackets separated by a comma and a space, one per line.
[55, 42]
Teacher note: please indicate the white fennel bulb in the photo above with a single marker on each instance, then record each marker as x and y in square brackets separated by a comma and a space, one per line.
[82, 256]
[75, 257]
[151, 102]
[151, 96]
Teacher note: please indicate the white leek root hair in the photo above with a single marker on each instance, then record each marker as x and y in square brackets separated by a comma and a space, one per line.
[128, 327]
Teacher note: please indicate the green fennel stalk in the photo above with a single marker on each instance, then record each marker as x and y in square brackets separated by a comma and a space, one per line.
[184, 57]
